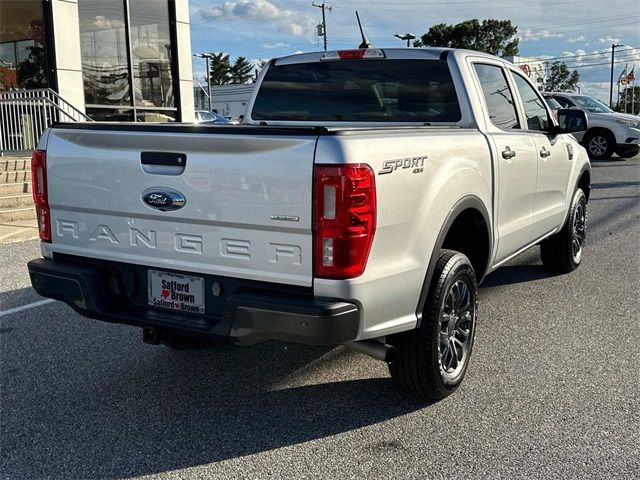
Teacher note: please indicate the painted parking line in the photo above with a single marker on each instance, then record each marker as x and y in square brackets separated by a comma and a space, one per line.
[22, 308]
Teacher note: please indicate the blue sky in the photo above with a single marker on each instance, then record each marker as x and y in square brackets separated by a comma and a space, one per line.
[581, 30]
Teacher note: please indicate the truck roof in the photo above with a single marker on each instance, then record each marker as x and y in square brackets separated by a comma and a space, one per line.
[429, 53]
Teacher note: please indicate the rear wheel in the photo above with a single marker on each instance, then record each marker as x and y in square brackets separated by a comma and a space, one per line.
[562, 253]
[600, 144]
[432, 360]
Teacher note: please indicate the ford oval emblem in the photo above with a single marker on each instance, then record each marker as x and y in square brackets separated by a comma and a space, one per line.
[164, 199]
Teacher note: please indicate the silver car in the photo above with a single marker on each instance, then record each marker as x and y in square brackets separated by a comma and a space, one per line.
[608, 132]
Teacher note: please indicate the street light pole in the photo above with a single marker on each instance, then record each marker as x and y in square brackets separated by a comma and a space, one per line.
[613, 55]
[407, 36]
[207, 57]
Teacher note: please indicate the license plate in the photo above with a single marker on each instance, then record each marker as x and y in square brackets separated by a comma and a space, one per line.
[181, 293]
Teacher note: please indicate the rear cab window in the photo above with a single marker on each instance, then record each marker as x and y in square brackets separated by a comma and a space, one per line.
[358, 91]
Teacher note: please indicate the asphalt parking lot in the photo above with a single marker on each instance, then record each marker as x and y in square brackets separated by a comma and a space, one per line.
[553, 389]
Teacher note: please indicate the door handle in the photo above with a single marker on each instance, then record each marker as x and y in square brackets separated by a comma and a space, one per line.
[163, 163]
[544, 153]
[507, 153]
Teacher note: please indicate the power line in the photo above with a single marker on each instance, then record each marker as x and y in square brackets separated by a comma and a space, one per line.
[573, 57]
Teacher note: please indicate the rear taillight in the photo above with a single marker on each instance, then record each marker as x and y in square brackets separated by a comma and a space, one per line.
[344, 209]
[40, 197]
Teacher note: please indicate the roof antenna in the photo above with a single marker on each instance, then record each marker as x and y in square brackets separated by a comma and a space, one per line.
[365, 43]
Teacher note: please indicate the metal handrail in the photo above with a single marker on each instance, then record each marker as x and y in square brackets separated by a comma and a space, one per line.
[26, 114]
[68, 105]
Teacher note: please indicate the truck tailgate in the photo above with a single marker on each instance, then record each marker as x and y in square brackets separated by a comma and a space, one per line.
[247, 210]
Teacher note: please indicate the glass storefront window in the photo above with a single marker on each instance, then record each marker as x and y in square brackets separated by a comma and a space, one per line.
[23, 62]
[151, 53]
[126, 58]
[105, 67]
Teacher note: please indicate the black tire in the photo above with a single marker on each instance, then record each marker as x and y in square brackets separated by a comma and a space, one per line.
[559, 252]
[600, 144]
[628, 153]
[418, 365]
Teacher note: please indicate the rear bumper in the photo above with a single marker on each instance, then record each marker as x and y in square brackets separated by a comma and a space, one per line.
[246, 314]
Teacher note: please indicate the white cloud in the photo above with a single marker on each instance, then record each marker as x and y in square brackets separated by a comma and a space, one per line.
[599, 90]
[610, 39]
[578, 54]
[273, 45]
[261, 12]
[528, 35]
[580, 38]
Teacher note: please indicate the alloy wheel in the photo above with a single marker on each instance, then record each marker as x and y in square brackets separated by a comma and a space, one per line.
[457, 323]
[598, 145]
[579, 231]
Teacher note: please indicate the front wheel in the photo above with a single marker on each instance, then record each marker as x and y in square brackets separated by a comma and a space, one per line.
[432, 360]
[627, 152]
[562, 253]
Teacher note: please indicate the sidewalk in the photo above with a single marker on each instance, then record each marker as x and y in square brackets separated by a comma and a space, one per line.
[18, 231]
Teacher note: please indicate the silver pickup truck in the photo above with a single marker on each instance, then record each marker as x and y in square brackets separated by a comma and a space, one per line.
[366, 195]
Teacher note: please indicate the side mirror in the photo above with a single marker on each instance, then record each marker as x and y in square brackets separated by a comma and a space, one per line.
[571, 121]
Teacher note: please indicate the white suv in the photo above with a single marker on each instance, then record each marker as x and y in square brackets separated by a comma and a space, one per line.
[608, 132]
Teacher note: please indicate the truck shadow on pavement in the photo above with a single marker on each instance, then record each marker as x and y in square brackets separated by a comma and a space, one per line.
[84, 399]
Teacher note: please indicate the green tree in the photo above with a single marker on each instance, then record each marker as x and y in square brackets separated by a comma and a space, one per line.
[560, 79]
[497, 37]
[630, 97]
[220, 69]
[241, 71]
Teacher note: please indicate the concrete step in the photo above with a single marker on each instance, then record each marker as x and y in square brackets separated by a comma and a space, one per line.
[14, 214]
[11, 164]
[15, 176]
[14, 188]
[16, 201]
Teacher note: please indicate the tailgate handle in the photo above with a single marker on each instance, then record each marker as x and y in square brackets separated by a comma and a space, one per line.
[163, 163]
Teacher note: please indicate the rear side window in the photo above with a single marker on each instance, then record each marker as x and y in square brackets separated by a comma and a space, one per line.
[497, 95]
[359, 91]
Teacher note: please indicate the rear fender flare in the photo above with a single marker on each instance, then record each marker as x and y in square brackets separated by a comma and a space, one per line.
[470, 201]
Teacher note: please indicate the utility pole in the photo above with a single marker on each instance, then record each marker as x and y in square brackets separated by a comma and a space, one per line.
[613, 55]
[324, 22]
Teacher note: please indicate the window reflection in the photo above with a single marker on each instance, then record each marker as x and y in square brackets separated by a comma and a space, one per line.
[151, 53]
[104, 52]
[111, 114]
[23, 61]
[108, 44]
